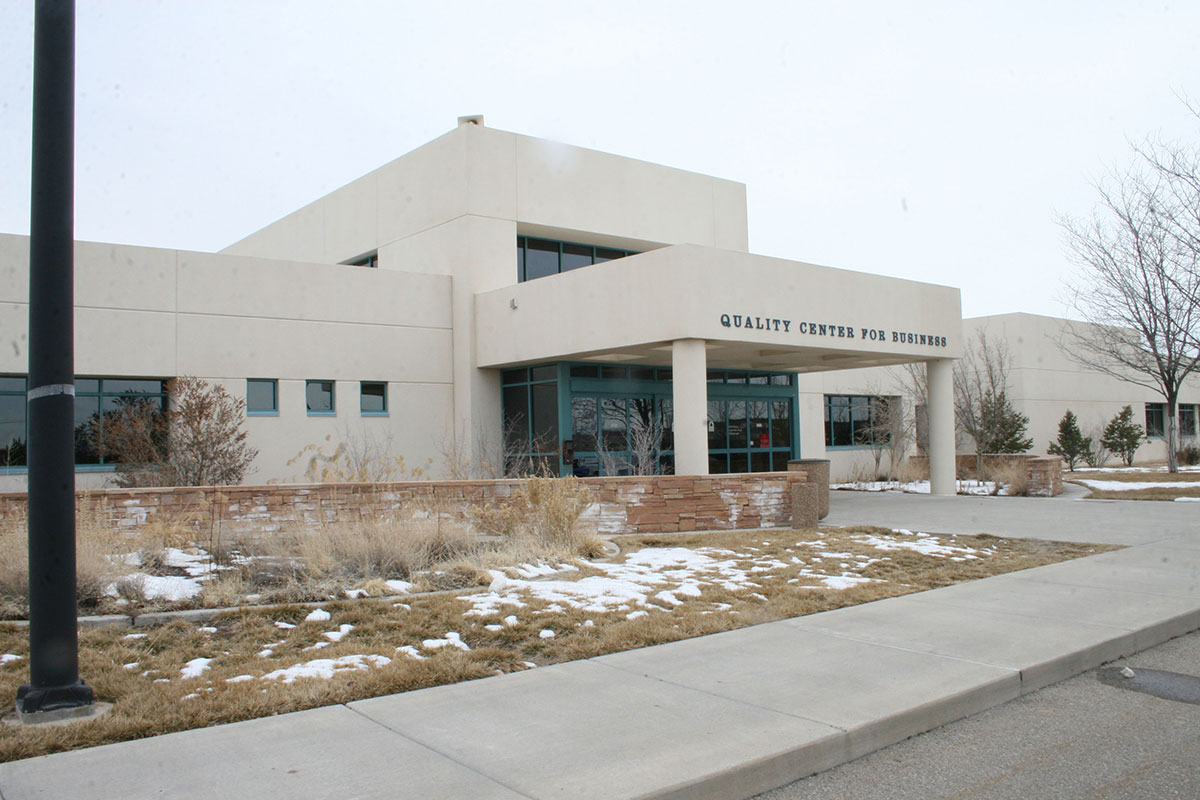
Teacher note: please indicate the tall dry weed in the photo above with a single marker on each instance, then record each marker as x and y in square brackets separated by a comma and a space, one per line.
[543, 519]
[1013, 477]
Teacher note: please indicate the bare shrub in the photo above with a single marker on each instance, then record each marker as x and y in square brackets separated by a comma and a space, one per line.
[355, 458]
[197, 441]
[913, 470]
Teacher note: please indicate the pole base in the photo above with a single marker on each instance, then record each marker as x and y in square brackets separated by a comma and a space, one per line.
[43, 700]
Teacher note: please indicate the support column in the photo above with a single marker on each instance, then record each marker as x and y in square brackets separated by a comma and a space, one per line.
[689, 388]
[939, 383]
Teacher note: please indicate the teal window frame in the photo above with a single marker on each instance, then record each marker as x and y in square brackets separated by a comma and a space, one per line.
[332, 410]
[10, 465]
[625, 384]
[106, 391]
[273, 411]
[592, 254]
[373, 412]
[1188, 413]
[1156, 414]
[101, 394]
[851, 403]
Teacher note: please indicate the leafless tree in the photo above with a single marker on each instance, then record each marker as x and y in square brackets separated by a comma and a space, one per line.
[981, 409]
[1139, 255]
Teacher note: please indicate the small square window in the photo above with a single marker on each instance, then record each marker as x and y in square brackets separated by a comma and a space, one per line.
[373, 398]
[262, 397]
[319, 398]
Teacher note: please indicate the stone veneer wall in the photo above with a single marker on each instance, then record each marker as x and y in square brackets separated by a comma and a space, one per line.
[1044, 472]
[650, 504]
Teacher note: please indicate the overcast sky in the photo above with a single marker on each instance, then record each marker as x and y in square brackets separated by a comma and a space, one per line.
[924, 140]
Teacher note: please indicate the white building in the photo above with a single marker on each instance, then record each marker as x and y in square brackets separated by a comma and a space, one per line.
[492, 296]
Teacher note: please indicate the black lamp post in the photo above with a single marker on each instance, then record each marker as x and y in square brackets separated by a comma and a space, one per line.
[54, 684]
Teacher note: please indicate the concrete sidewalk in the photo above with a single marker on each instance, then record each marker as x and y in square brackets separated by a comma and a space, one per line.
[723, 716]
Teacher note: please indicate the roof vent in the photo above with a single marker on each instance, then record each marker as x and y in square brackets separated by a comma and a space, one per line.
[474, 119]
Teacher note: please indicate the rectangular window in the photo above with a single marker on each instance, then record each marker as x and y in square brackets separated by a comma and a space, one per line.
[1154, 419]
[1187, 420]
[372, 398]
[855, 420]
[537, 258]
[262, 397]
[105, 406]
[13, 434]
[100, 403]
[318, 396]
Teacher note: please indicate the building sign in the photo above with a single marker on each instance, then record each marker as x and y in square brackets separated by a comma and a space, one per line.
[827, 330]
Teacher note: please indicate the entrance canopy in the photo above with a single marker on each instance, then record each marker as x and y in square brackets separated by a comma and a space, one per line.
[752, 312]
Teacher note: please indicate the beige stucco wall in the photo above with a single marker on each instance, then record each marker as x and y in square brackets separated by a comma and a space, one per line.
[547, 188]
[1045, 382]
[144, 312]
[635, 307]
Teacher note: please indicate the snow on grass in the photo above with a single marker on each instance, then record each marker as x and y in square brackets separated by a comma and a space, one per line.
[195, 668]
[1187, 499]
[326, 667]
[920, 543]
[919, 487]
[339, 634]
[8, 658]
[316, 615]
[452, 640]
[1132, 486]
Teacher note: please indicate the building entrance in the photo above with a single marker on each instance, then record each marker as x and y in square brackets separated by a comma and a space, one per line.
[592, 419]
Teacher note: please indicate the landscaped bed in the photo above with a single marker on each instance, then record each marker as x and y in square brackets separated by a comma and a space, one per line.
[531, 612]
[1139, 483]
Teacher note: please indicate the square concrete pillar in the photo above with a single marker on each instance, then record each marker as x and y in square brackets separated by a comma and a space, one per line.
[939, 383]
[689, 388]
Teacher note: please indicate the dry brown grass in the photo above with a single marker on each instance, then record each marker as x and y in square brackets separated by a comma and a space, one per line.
[141, 676]
[104, 555]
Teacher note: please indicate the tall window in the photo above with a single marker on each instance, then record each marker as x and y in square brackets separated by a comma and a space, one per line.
[1187, 419]
[855, 420]
[1155, 412]
[531, 437]
[537, 258]
[13, 434]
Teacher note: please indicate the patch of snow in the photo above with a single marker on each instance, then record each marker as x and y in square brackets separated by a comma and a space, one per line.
[339, 634]
[1132, 486]
[266, 652]
[317, 615]
[510, 620]
[636, 614]
[131, 666]
[545, 633]
[207, 629]
[195, 668]
[135, 636]
[326, 667]
[493, 628]
[354, 594]
[239, 679]
[452, 640]
[399, 586]
[410, 651]
[1187, 499]
[8, 658]
[284, 625]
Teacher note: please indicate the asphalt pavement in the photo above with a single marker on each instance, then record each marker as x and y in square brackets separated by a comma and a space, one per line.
[1082, 738]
